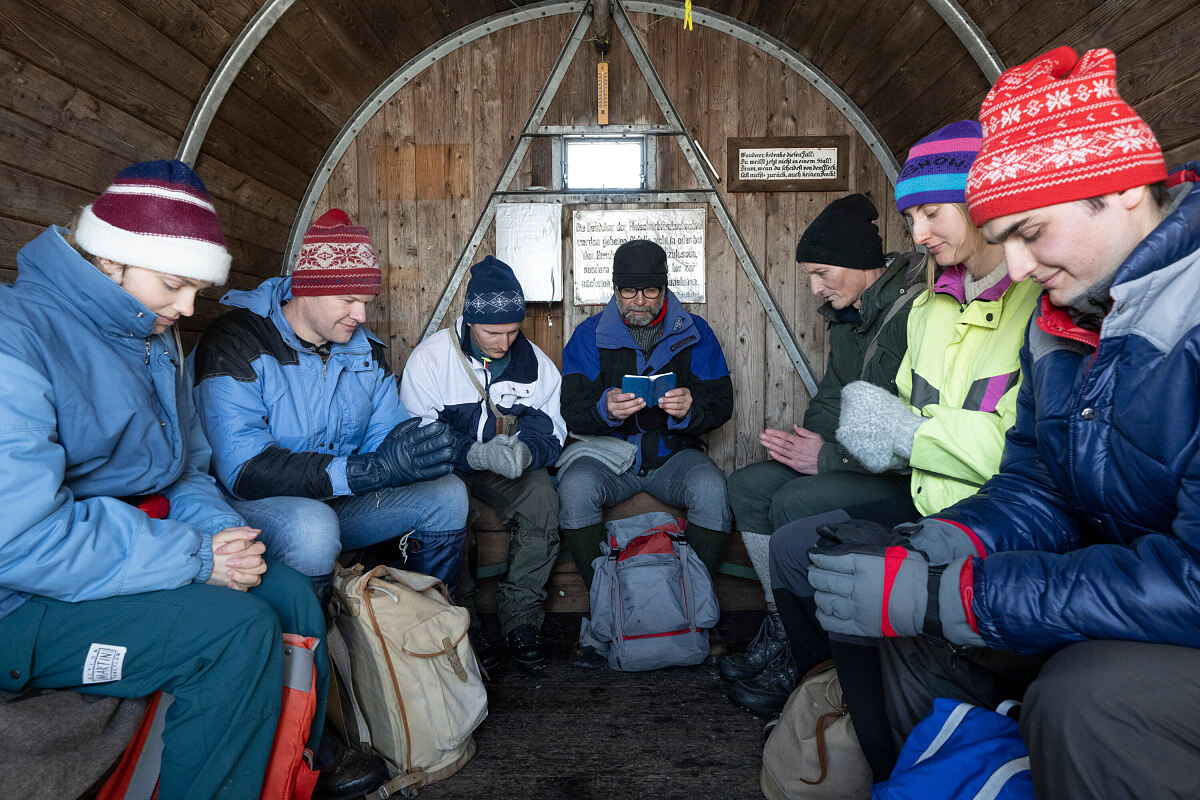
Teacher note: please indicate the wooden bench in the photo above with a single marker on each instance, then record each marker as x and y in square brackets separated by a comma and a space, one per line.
[736, 582]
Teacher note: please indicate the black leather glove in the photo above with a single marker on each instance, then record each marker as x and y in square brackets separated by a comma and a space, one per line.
[409, 453]
[856, 535]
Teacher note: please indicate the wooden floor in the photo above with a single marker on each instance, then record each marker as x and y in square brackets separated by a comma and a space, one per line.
[575, 734]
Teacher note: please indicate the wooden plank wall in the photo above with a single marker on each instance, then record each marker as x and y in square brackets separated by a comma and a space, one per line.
[422, 170]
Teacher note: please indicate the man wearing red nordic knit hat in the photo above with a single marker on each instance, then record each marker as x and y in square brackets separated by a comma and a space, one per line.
[309, 436]
[1083, 551]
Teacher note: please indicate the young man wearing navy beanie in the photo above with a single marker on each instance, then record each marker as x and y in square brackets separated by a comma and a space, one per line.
[497, 393]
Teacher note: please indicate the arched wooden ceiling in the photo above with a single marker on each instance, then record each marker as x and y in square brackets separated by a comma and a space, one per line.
[89, 85]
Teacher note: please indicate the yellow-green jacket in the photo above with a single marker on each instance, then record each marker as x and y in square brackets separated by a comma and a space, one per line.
[962, 372]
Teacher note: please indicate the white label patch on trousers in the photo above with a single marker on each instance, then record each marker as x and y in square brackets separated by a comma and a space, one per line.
[103, 663]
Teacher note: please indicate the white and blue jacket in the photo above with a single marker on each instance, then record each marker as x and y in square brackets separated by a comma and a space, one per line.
[94, 407]
[436, 386]
[282, 421]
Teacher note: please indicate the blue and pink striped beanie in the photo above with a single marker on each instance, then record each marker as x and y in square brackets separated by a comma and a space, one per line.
[937, 166]
[157, 215]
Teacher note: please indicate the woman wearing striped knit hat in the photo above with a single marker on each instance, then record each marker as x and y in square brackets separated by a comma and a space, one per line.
[102, 590]
[957, 398]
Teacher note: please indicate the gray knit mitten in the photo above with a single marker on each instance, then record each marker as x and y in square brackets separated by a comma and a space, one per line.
[504, 455]
[877, 427]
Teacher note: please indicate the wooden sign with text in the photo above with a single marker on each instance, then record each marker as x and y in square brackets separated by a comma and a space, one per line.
[789, 164]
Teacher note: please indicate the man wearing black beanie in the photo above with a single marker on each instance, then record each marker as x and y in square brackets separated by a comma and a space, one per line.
[644, 330]
[866, 298]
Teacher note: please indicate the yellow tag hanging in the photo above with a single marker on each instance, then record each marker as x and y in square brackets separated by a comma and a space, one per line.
[687, 15]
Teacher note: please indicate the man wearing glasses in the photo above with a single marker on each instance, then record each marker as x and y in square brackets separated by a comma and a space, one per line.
[644, 330]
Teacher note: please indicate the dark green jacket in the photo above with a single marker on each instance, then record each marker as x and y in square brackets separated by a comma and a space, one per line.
[851, 332]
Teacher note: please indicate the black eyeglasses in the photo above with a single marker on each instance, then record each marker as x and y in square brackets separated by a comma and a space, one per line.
[648, 292]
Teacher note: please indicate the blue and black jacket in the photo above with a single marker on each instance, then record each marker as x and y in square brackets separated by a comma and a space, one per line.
[602, 350]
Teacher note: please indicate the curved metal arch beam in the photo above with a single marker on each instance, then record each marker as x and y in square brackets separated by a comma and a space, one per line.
[971, 36]
[223, 77]
[505, 19]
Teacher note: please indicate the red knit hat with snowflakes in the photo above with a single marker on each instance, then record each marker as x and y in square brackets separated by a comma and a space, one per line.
[336, 257]
[1055, 130]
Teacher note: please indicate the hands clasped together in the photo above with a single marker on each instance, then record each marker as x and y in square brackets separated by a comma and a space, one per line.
[505, 455]
[409, 453]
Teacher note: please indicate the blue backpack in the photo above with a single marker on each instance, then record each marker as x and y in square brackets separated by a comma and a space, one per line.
[960, 751]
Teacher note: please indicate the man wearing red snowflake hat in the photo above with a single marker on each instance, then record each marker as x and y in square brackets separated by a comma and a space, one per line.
[1083, 552]
[304, 416]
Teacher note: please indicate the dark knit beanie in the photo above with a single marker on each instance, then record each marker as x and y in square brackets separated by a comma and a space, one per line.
[844, 235]
[493, 294]
[639, 263]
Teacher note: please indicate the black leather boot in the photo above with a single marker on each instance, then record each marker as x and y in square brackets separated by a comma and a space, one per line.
[525, 649]
[486, 651]
[766, 693]
[346, 773]
[769, 641]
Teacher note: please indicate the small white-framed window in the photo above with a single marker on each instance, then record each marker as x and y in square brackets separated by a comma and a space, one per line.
[608, 163]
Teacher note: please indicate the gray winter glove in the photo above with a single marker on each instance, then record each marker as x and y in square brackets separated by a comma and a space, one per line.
[505, 455]
[877, 427]
[864, 588]
[409, 453]
[940, 541]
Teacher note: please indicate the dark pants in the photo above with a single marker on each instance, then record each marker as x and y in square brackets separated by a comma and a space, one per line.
[1115, 720]
[529, 507]
[218, 651]
[768, 495]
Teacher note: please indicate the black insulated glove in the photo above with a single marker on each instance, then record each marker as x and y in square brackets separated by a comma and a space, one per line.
[409, 453]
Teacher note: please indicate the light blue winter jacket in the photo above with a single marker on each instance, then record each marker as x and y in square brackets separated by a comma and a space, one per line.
[282, 421]
[94, 407]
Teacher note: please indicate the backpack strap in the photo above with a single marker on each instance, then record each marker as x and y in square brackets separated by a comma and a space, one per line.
[906, 296]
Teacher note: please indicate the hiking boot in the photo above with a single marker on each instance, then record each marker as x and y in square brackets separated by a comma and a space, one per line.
[351, 773]
[716, 647]
[766, 693]
[486, 652]
[587, 657]
[766, 645]
[525, 648]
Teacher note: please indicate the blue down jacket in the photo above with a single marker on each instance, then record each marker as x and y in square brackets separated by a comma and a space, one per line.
[436, 386]
[281, 421]
[1092, 526]
[94, 407]
[601, 351]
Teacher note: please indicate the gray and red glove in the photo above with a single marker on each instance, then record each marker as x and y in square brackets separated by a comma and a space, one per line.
[869, 582]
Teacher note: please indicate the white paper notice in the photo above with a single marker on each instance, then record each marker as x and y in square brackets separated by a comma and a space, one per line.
[529, 239]
[596, 235]
[103, 663]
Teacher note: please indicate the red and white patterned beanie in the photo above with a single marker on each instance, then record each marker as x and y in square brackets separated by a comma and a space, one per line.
[336, 257]
[1056, 130]
[157, 215]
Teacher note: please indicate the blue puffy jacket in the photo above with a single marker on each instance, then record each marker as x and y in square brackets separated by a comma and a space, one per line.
[1092, 525]
[94, 407]
[282, 421]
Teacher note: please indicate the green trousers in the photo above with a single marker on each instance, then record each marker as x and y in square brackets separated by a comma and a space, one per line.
[768, 495]
[529, 507]
[218, 651]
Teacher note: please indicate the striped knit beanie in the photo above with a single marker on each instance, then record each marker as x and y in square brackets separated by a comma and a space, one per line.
[157, 215]
[336, 257]
[936, 169]
[1055, 130]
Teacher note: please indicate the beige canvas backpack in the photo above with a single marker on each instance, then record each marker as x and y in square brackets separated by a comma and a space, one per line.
[414, 693]
[813, 752]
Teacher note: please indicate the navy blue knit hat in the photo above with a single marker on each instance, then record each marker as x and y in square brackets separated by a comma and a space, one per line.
[493, 294]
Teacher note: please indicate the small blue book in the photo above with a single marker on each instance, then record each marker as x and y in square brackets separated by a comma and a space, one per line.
[649, 387]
